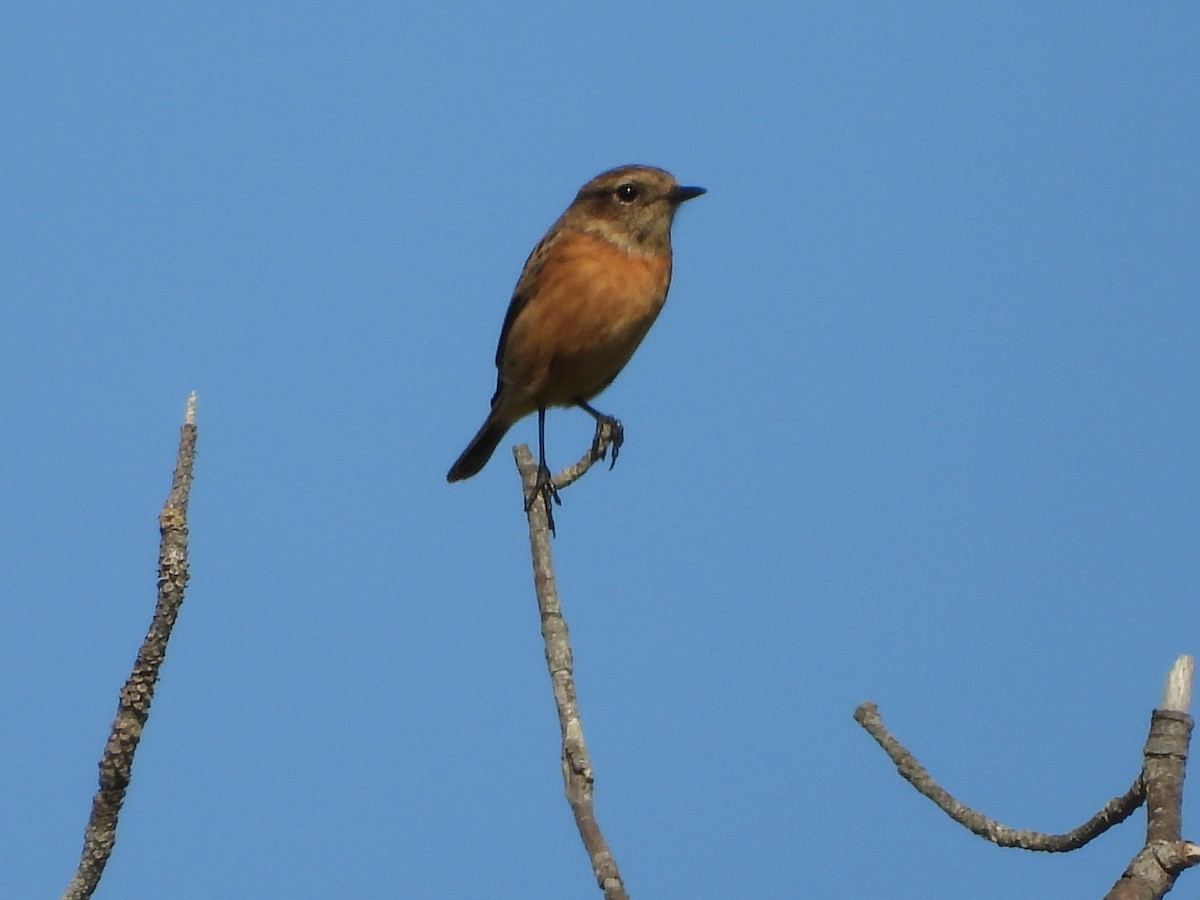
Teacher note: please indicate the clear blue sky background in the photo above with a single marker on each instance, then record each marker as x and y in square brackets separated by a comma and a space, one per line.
[918, 425]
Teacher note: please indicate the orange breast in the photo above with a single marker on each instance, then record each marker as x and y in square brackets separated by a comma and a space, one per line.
[589, 307]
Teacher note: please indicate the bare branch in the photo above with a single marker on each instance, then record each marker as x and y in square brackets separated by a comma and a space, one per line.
[1153, 871]
[1114, 811]
[133, 709]
[578, 777]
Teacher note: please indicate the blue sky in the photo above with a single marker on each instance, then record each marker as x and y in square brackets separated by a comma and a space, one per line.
[918, 425]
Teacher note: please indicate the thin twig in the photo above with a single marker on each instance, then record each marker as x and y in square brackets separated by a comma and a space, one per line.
[571, 474]
[1114, 811]
[578, 777]
[133, 709]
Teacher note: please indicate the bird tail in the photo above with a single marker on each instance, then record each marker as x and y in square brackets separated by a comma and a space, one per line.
[479, 451]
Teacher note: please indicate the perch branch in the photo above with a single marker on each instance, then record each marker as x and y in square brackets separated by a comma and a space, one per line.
[133, 709]
[578, 777]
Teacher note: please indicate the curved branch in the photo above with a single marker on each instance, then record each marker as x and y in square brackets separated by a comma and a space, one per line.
[1114, 811]
[578, 777]
[133, 709]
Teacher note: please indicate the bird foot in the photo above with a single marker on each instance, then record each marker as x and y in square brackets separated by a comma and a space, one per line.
[544, 489]
[616, 437]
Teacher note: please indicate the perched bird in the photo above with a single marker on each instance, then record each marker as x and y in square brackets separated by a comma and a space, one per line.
[588, 294]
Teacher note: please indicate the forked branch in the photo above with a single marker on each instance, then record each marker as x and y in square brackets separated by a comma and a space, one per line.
[1151, 873]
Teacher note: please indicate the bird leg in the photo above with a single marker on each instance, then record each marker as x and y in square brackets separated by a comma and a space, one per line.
[616, 434]
[544, 485]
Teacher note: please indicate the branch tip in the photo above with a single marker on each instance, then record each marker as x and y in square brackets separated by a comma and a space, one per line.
[1177, 691]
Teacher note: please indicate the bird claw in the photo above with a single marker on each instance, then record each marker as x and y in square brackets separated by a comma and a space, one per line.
[616, 437]
[544, 488]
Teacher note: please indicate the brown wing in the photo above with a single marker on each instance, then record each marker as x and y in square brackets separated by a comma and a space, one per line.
[520, 297]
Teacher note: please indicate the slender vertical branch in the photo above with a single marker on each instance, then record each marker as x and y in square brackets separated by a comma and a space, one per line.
[133, 708]
[1152, 872]
[578, 777]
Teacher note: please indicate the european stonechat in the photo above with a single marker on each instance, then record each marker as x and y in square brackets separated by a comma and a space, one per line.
[588, 294]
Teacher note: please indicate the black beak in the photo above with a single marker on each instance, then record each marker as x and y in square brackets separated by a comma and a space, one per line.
[679, 193]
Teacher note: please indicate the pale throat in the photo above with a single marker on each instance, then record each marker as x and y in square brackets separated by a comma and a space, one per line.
[641, 239]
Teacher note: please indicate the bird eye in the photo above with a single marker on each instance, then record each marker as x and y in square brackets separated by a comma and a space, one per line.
[627, 193]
